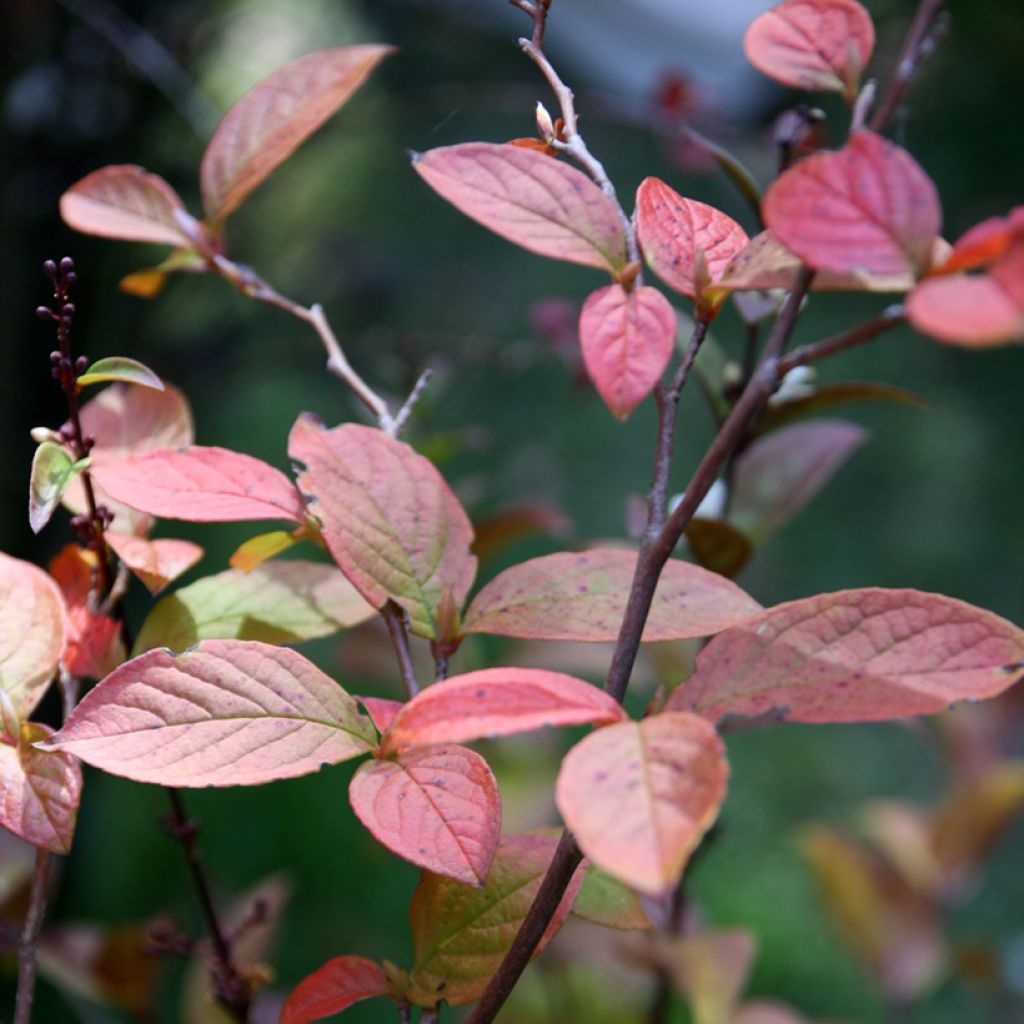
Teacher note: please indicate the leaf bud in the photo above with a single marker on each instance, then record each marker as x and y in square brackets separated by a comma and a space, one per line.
[545, 125]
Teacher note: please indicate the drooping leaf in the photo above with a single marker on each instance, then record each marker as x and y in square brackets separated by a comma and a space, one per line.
[718, 546]
[224, 713]
[279, 602]
[32, 629]
[53, 469]
[497, 702]
[129, 371]
[334, 987]
[92, 646]
[854, 656]
[529, 198]
[817, 45]
[202, 485]
[125, 201]
[627, 339]
[149, 281]
[461, 932]
[126, 419]
[389, 519]
[155, 562]
[780, 473]
[39, 791]
[639, 796]
[436, 807]
[582, 596]
[974, 311]
[688, 244]
[868, 207]
[275, 117]
[258, 549]
[606, 901]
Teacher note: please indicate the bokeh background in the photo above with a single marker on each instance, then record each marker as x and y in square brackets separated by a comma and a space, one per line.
[933, 501]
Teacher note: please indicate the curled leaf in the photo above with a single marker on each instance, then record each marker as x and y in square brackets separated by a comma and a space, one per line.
[53, 469]
[121, 368]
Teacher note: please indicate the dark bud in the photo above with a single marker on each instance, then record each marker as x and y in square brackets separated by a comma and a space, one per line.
[50, 269]
[45, 313]
[79, 522]
[81, 364]
[67, 432]
[55, 358]
[70, 279]
[68, 309]
[87, 444]
[67, 266]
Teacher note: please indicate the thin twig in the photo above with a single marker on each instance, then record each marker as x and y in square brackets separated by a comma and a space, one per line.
[230, 988]
[394, 619]
[28, 946]
[917, 47]
[414, 396]
[890, 317]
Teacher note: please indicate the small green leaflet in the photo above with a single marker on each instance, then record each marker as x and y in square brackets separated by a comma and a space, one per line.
[131, 371]
[52, 470]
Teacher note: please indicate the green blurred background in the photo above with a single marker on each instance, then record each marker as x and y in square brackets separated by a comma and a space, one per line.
[933, 501]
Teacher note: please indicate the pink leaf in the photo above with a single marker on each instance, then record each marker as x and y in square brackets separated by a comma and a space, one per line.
[202, 485]
[39, 791]
[854, 656]
[275, 117]
[124, 201]
[639, 796]
[223, 713]
[687, 244]
[867, 208]
[780, 473]
[460, 933]
[155, 562]
[813, 44]
[531, 199]
[389, 519]
[497, 702]
[582, 596]
[332, 988]
[977, 311]
[126, 420]
[627, 340]
[32, 630]
[381, 710]
[436, 807]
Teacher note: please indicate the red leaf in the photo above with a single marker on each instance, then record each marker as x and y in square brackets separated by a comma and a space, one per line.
[868, 207]
[32, 630]
[813, 44]
[202, 485]
[537, 202]
[126, 420]
[389, 519]
[39, 791]
[155, 562]
[275, 117]
[582, 596]
[381, 710]
[639, 796]
[985, 242]
[627, 340]
[853, 656]
[93, 646]
[460, 933]
[223, 713]
[332, 988]
[436, 807]
[497, 702]
[124, 201]
[687, 244]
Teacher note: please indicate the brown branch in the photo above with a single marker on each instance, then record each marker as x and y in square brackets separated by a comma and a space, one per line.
[28, 945]
[918, 45]
[890, 317]
[230, 987]
[394, 619]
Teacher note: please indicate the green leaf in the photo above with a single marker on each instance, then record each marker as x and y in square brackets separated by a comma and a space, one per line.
[131, 371]
[52, 470]
[829, 396]
[607, 901]
[279, 602]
